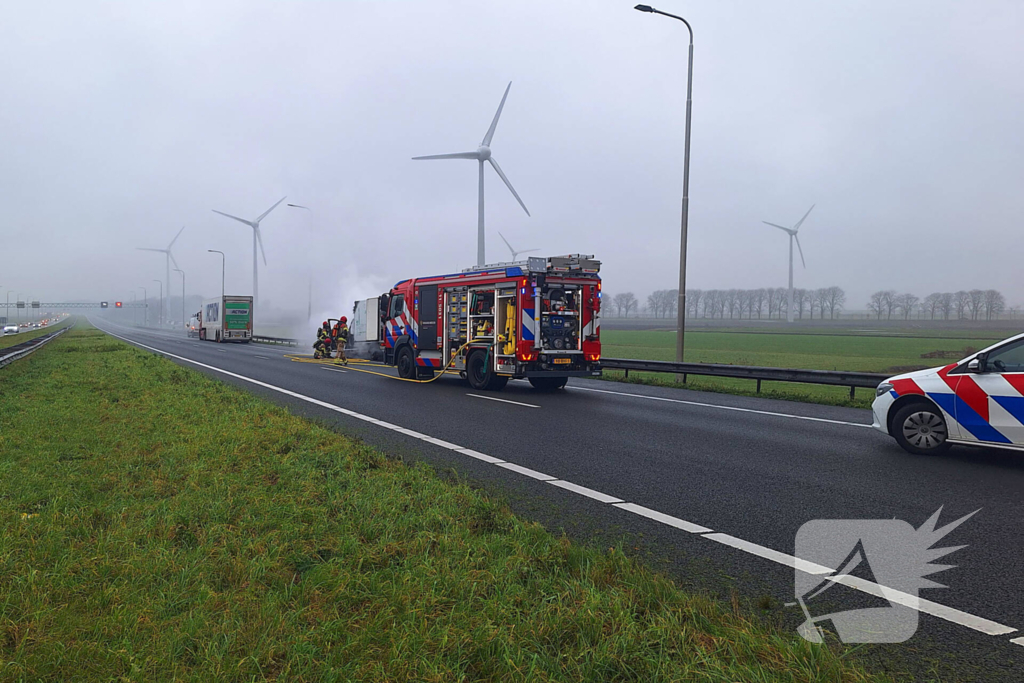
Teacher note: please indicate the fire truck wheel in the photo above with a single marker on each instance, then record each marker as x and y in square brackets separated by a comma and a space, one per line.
[406, 363]
[477, 372]
[548, 383]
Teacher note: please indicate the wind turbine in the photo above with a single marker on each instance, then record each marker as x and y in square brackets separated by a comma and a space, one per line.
[168, 259]
[482, 154]
[256, 237]
[514, 252]
[793, 238]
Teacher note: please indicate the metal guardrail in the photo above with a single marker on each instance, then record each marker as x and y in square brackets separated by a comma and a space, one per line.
[285, 341]
[866, 380]
[13, 353]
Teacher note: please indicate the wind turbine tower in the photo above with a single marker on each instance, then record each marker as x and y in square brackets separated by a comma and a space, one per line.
[483, 154]
[514, 252]
[168, 259]
[792, 232]
[256, 238]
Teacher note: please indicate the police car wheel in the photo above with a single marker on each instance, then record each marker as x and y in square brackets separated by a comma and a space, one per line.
[920, 429]
[406, 363]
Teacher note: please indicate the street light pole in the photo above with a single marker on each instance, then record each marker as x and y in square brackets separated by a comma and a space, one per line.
[145, 317]
[159, 322]
[214, 251]
[135, 323]
[178, 270]
[681, 312]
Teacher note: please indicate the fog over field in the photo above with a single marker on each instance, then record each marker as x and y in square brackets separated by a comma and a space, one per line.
[124, 121]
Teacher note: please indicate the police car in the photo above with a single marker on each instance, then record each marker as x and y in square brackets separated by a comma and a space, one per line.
[978, 401]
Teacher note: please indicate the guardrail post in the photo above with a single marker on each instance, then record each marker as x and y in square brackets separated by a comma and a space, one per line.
[759, 386]
[627, 373]
[851, 392]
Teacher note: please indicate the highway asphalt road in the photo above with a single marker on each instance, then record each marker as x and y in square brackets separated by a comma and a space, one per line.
[709, 488]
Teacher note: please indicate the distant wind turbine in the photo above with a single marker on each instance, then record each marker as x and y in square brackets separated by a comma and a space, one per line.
[168, 259]
[482, 154]
[514, 252]
[256, 238]
[793, 238]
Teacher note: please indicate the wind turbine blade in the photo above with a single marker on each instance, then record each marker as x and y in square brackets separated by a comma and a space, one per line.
[780, 227]
[508, 184]
[497, 115]
[172, 259]
[507, 244]
[240, 220]
[259, 238]
[801, 221]
[175, 238]
[527, 251]
[801, 249]
[264, 214]
[456, 155]
[148, 249]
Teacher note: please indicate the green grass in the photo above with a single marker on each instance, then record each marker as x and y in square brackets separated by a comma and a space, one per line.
[12, 339]
[838, 351]
[159, 525]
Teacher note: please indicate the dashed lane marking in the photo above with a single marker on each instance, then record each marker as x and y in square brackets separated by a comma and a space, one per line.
[504, 400]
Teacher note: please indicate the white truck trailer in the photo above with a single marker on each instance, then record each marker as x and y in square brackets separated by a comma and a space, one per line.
[226, 319]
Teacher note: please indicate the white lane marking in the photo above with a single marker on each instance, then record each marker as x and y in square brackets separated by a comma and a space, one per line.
[534, 474]
[503, 400]
[733, 408]
[331, 369]
[479, 456]
[263, 357]
[663, 518]
[584, 491]
[934, 609]
[920, 604]
[769, 554]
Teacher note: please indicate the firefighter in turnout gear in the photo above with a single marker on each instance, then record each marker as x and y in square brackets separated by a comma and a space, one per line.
[341, 339]
[322, 347]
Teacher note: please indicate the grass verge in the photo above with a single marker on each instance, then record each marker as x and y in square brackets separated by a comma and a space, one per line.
[158, 524]
[812, 351]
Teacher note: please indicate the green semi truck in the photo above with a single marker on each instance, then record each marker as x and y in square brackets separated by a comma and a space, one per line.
[226, 319]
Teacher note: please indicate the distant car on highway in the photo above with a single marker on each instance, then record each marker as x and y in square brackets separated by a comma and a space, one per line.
[978, 401]
[10, 329]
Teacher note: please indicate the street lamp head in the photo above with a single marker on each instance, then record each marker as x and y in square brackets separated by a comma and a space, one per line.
[644, 8]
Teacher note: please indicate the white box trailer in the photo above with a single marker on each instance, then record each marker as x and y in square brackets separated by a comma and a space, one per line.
[364, 330]
[365, 326]
[226, 319]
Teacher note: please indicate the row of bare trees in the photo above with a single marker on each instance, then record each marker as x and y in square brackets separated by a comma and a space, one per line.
[769, 302]
[976, 304]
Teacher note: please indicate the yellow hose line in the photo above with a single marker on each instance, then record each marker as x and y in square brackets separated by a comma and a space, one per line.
[334, 361]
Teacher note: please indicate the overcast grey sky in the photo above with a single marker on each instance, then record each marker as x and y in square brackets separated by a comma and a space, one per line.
[122, 121]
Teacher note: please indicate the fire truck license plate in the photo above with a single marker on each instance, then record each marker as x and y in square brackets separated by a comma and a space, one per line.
[563, 361]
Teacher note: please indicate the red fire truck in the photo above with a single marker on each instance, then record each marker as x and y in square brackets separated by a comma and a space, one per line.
[536, 319]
